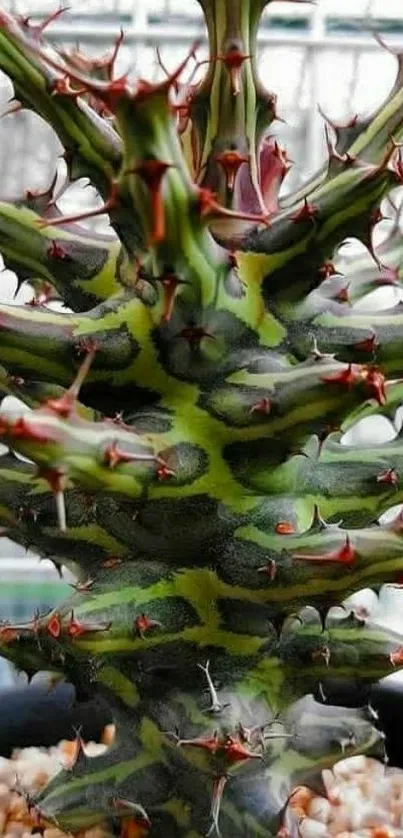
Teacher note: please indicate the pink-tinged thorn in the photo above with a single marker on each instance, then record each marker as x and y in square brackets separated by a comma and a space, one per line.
[106, 207]
[208, 207]
[143, 624]
[327, 270]
[37, 30]
[345, 555]
[231, 161]
[114, 456]
[375, 383]
[75, 628]
[369, 344]
[389, 475]
[308, 212]
[65, 405]
[263, 406]
[233, 60]
[152, 173]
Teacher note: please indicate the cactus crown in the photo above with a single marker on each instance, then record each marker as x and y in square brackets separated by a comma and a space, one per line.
[185, 452]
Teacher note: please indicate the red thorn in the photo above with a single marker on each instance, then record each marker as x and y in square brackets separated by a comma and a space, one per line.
[308, 212]
[114, 456]
[194, 335]
[164, 68]
[104, 65]
[389, 475]
[263, 406]
[230, 748]
[112, 92]
[233, 60]
[23, 429]
[163, 470]
[231, 161]
[208, 207]
[346, 159]
[375, 384]
[169, 282]
[54, 626]
[152, 173]
[64, 406]
[143, 624]
[55, 477]
[207, 743]
[346, 377]
[77, 629]
[327, 270]
[36, 30]
[284, 528]
[62, 87]
[235, 751]
[342, 295]
[110, 204]
[345, 555]
[368, 344]
[282, 157]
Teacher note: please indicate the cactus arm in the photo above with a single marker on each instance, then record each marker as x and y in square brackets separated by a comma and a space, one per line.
[307, 233]
[376, 338]
[41, 344]
[93, 147]
[84, 271]
[368, 148]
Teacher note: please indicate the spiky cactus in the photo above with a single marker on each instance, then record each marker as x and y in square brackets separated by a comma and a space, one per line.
[184, 452]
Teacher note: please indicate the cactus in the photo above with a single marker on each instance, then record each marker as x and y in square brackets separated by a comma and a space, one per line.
[183, 448]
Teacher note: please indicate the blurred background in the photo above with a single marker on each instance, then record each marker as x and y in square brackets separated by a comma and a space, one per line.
[309, 55]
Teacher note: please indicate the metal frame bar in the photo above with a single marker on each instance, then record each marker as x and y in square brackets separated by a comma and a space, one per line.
[149, 34]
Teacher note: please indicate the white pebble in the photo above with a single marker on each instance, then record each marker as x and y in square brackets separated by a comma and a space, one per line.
[346, 767]
[308, 828]
[320, 809]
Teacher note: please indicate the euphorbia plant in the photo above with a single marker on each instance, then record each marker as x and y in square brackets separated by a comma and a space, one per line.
[184, 452]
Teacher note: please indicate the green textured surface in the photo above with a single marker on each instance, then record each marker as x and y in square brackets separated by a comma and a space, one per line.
[194, 475]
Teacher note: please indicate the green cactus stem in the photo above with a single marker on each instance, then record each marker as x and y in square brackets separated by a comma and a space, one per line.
[182, 432]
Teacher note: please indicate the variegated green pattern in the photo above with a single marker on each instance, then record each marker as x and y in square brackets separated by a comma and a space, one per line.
[185, 441]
